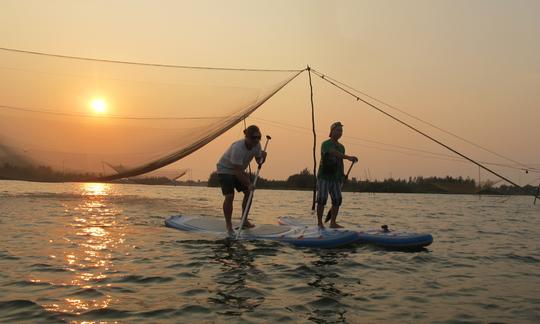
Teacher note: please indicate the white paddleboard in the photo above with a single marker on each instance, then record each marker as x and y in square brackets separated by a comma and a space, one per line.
[303, 236]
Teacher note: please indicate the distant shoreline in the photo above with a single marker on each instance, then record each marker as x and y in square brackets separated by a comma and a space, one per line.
[302, 181]
[204, 184]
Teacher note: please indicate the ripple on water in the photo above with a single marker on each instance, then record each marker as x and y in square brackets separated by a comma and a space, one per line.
[379, 296]
[87, 293]
[158, 313]
[416, 299]
[118, 289]
[104, 314]
[196, 264]
[4, 255]
[523, 258]
[143, 279]
[325, 303]
[187, 275]
[234, 277]
[303, 289]
[328, 316]
[32, 283]
[266, 250]
[176, 266]
[239, 298]
[193, 292]
[19, 310]
[41, 267]
[301, 271]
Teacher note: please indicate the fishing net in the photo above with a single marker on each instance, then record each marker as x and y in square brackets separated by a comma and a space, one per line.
[74, 119]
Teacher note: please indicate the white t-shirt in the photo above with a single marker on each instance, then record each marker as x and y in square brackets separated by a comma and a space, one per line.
[237, 154]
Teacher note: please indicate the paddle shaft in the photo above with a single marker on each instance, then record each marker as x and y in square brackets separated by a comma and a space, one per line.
[329, 214]
[250, 198]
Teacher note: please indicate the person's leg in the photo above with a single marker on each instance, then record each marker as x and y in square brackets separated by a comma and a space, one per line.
[320, 212]
[227, 188]
[240, 187]
[245, 201]
[334, 212]
[227, 211]
[322, 197]
[335, 194]
[247, 223]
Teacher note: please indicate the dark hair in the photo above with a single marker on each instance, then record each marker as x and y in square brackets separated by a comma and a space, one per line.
[252, 130]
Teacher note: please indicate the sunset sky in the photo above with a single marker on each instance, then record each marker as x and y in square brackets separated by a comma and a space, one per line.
[469, 67]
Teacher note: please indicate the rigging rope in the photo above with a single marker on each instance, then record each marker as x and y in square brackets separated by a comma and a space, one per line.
[58, 113]
[447, 157]
[422, 133]
[143, 63]
[325, 76]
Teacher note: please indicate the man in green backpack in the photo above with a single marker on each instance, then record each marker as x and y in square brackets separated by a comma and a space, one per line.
[331, 174]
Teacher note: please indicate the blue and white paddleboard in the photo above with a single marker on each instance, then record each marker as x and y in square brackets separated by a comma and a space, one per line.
[381, 237]
[302, 236]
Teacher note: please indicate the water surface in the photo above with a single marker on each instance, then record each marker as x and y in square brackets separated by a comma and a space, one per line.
[100, 252]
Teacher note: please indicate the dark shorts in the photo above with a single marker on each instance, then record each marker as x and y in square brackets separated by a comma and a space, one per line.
[332, 187]
[229, 182]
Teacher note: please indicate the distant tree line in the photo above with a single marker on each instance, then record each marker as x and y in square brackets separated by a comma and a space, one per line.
[47, 174]
[304, 180]
[39, 173]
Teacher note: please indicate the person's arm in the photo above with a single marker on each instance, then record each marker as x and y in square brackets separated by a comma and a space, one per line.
[260, 155]
[261, 158]
[242, 176]
[340, 155]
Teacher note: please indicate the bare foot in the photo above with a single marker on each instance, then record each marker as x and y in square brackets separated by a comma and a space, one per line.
[335, 225]
[321, 226]
[248, 224]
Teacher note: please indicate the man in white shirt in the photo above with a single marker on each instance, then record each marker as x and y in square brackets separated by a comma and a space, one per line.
[231, 170]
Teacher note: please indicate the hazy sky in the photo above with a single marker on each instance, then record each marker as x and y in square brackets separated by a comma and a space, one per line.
[470, 67]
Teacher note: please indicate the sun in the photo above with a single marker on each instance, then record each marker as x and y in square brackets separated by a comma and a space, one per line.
[98, 105]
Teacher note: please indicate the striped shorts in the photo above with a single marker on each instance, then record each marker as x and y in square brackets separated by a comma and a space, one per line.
[325, 187]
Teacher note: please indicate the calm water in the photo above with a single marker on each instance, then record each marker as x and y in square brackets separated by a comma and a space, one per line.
[89, 252]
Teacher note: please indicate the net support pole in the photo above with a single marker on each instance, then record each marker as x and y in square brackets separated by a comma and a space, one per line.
[479, 188]
[314, 140]
[537, 193]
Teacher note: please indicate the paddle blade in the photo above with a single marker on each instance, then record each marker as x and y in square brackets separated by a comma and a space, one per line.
[328, 216]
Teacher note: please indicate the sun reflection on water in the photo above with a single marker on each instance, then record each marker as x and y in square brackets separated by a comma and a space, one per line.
[95, 189]
[93, 237]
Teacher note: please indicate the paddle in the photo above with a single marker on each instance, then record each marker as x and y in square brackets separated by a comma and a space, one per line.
[250, 198]
[329, 215]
